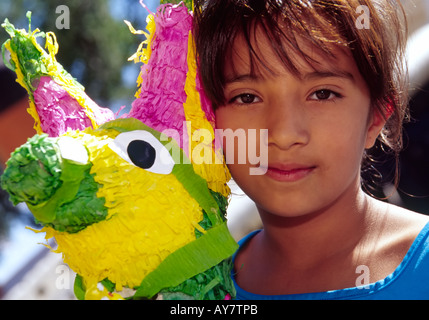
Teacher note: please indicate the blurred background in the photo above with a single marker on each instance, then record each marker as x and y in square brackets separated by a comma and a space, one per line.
[95, 49]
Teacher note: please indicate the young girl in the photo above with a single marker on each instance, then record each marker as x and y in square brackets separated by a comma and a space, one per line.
[326, 79]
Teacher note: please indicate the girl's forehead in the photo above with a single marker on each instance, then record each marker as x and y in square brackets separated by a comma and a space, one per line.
[259, 55]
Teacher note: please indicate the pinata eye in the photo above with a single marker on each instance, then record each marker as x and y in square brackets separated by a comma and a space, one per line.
[141, 153]
[143, 150]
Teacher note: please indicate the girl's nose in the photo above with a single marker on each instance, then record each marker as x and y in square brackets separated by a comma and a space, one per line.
[287, 125]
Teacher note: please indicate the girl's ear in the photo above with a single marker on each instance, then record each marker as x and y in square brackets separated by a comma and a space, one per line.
[375, 125]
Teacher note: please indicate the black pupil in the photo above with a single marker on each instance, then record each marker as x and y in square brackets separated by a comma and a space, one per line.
[323, 94]
[141, 153]
[247, 98]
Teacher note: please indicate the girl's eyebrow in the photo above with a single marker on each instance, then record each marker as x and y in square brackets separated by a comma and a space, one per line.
[241, 78]
[315, 75]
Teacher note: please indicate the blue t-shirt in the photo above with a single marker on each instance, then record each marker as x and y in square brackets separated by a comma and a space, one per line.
[410, 280]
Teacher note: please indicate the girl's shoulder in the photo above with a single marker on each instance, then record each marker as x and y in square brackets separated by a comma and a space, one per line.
[400, 224]
[409, 240]
[393, 234]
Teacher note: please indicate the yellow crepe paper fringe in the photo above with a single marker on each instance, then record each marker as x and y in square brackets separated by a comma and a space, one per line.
[212, 168]
[144, 50]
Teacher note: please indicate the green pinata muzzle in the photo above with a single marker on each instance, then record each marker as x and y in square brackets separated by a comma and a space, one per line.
[33, 172]
[60, 193]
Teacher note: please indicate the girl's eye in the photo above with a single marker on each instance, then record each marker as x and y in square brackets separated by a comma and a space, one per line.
[324, 94]
[245, 98]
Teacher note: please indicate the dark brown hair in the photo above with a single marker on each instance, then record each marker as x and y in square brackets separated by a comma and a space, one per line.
[377, 48]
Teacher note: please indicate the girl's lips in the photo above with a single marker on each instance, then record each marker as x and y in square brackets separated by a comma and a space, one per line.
[288, 173]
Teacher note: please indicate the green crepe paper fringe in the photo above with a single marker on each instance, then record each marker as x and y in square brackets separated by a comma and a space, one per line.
[213, 284]
[30, 58]
[32, 174]
[196, 257]
[206, 223]
[85, 209]
[60, 194]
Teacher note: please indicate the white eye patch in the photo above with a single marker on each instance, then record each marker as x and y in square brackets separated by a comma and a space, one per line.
[73, 150]
[143, 150]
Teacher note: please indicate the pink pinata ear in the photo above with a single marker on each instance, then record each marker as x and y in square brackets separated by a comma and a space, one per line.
[171, 100]
[57, 110]
[161, 96]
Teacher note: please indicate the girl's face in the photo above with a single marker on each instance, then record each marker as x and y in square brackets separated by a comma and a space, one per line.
[319, 124]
